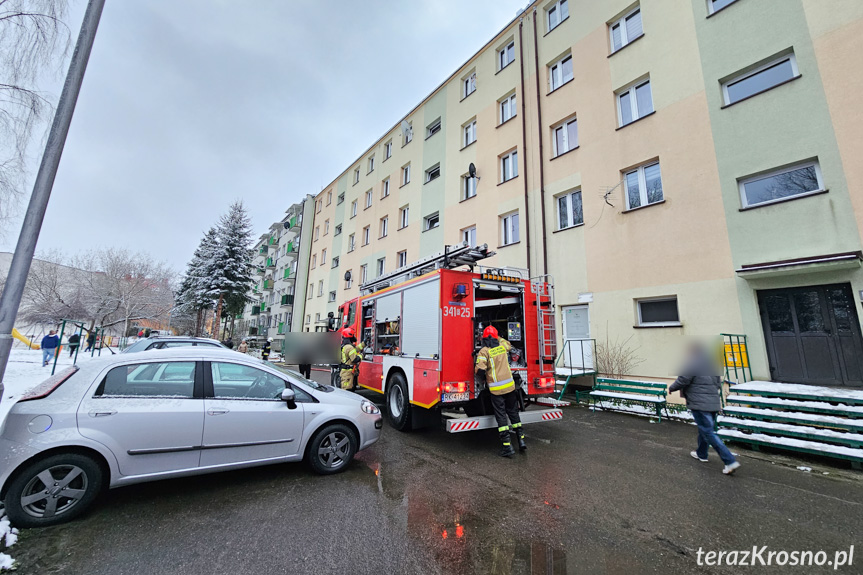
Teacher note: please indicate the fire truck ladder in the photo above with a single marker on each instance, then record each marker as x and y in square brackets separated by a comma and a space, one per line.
[451, 257]
[543, 288]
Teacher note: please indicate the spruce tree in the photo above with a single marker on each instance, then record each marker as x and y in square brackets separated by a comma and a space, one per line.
[231, 262]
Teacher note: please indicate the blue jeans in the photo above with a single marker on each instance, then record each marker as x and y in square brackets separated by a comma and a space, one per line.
[48, 354]
[707, 437]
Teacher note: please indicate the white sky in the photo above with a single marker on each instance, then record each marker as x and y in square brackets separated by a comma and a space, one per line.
[188, 105]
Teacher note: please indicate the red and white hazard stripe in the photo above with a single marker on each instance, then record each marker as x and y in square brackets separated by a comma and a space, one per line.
[464, 426]
[552, 415]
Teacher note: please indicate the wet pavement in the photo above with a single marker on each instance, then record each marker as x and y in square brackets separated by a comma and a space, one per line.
[598, 492]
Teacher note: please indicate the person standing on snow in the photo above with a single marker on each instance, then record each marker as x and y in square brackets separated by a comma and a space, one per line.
[493, 361]
[243, 347]
[74, 341]
[700, 385]
[49, 346]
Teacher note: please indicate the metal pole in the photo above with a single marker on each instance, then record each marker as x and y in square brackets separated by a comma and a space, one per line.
[20, 268]
[57, 351]
[78, 348]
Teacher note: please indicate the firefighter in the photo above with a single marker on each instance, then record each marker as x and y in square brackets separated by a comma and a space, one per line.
[493, 359]
[265, 349]
[350, 358]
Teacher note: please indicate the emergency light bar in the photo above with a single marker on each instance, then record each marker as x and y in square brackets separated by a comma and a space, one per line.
[499, 277]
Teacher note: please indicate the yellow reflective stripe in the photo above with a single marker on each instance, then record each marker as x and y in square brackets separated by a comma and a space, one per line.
[482, 362]
[504, 428]
[493, 374]
[502, 384]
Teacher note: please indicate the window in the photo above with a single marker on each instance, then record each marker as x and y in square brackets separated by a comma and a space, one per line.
[318, 206]
[329, 198]
[317, 232]
[369, 199]
[371, 164]
[352, 242]
[468, 187]
[320, 288]
[403, 217]
[625, 30]
[323, 257]
[341, 199]
[382, 264]
[433, 173]
[634, 102]
[406, 174]
[556, 13]
[309, 317]
[402, 258]
[469, 134]
[364, 273]
[332, 297]
[761, 79]
[717, 5]
[349, 283]
[354, 208]
[506, 56]
[357, 176]
[174, 379]
[385, 188]
[388, 150]
[366, 235]
[509, 229]
[565, 136]
[385, 226]
[311, 294]
[658, 312]
[432, 221]
[338, 230]
[469, 85]
[643, 186]
[335, 262]
[433, 128]
[569, 210]
[469, 235]
[314, 261]
[408, 134]
[507, 109]
[777, 185]
[560, 73]
[509, 166]
[234, 381]
[326, 227]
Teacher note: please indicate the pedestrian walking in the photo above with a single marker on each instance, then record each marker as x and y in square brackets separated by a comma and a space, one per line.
[91, 341]
[493, 360]
[49, 346]
[243, 347]
[74, 341]
[700, 385]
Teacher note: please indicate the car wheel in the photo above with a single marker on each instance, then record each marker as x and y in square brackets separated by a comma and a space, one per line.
[398, 403]
[53, 490]
[332, 448]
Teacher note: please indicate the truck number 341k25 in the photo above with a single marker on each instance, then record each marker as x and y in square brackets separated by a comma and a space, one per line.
[456, 311]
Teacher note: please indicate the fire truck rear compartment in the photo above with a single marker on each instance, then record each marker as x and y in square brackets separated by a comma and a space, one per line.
[505, 311]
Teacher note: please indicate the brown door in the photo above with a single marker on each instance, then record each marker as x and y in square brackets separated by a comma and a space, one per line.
[813, 335]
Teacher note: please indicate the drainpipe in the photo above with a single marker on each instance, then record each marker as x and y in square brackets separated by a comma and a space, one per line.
[541, 161]
[524, 146]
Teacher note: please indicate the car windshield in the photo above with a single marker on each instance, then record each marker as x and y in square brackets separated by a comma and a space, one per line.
[294, 374]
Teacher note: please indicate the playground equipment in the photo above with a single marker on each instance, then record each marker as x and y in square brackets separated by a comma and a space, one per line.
[17, 335]
[99, 333]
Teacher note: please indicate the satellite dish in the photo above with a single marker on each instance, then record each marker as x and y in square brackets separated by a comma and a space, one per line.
[348, 276]
[287, 225]
[471, 170]
[406, 128]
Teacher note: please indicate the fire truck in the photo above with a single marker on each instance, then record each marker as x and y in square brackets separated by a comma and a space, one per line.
[422, 326]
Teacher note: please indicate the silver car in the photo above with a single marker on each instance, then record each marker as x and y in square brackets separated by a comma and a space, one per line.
[168, 413]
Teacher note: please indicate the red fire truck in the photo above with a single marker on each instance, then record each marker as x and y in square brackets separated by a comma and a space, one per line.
[422, 326]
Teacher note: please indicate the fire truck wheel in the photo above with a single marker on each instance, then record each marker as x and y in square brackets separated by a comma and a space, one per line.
[398, 404]
[332, 448]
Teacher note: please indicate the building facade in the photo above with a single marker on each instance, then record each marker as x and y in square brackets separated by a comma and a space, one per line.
[679, 167]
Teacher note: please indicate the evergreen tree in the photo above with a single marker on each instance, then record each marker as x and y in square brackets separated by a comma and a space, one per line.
[231, 259]
[194, 292]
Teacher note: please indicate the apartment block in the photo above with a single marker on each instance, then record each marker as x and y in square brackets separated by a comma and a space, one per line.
[678, 167]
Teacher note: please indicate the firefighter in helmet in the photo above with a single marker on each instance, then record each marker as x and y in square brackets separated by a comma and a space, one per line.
[350, 358]
[493, 359]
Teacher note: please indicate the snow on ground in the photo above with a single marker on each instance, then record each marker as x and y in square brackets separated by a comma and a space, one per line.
[8, 538]
[767, 426]
[811, 390]
[793, 403]
[855, 453]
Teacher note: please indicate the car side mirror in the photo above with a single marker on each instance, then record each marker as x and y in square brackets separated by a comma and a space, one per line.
[289, 397]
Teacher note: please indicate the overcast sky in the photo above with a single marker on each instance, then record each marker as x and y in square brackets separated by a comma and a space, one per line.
[189, 104]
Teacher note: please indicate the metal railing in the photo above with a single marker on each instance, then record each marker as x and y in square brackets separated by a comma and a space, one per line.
[735, 355]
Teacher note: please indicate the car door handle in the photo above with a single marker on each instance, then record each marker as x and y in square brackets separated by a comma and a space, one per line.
[102, 413]
[218, 411]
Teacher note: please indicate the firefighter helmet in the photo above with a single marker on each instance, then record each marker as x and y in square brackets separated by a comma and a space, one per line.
[490, 331]
[348, 332]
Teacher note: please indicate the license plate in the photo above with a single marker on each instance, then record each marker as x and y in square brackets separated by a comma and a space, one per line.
[450, 397]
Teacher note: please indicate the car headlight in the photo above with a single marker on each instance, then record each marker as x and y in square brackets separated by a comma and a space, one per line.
[369, 407]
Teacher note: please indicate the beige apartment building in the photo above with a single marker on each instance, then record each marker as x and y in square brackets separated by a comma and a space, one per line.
[679, 167]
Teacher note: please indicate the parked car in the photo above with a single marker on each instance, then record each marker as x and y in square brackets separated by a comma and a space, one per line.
[133, 418]
[146, 344]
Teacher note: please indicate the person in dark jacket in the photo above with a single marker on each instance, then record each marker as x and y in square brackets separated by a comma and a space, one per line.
[91, 341]
[700, 385]
[74, 341]
[49, 346]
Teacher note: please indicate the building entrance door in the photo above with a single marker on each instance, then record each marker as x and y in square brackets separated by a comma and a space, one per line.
[813, 335]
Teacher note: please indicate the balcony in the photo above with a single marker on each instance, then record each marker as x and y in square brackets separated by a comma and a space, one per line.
[262, 250]
[268, 285]
[293, 250]
[263, 306]
[272, 241]
[256, 310]
[271, 262]
[281, 329]
[287, 300]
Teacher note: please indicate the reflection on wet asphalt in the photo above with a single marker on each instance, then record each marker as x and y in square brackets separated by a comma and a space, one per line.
[596, 493]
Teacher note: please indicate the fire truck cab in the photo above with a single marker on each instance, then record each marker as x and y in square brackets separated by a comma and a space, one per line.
[422, 324]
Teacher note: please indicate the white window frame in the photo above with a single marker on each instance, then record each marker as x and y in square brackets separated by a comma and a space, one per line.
[813, 163]
[642, 185]
[711, 9]
[354, 208]
[567, 197]
[507, 230]
[433, 128]
[468, 187]
[633, 102]
[404, 217]
[385, 188]
[556, 79]
[371, 164]
[508, 103]
[555, 7]
[468, 85]
[381, 266]
[401, 259]
[388, 150]
[369, 198]
[641, 323]
[469, 235]
[334, 262]
[352, 242]
[367, 235]
[406, 174]
[349, 283]
[314, 261]
[385, 226]
[625, 40]
[469, 133]
[364, 273]
[430, 177]
[357, 176]
[506, 55]
[512, 173]
[323, 256]
[428, 219]
[338, 230]
[326, 227]
[329, 197]
[332, 297]
[341, 199]
[773, 62]
[409, 135]
[567, 145]
[317, 232]
[320, 288]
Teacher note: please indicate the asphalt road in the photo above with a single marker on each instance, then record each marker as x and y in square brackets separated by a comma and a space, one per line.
[598, 492]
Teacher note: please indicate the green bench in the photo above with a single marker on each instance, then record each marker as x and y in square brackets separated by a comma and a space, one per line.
[648, 393]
